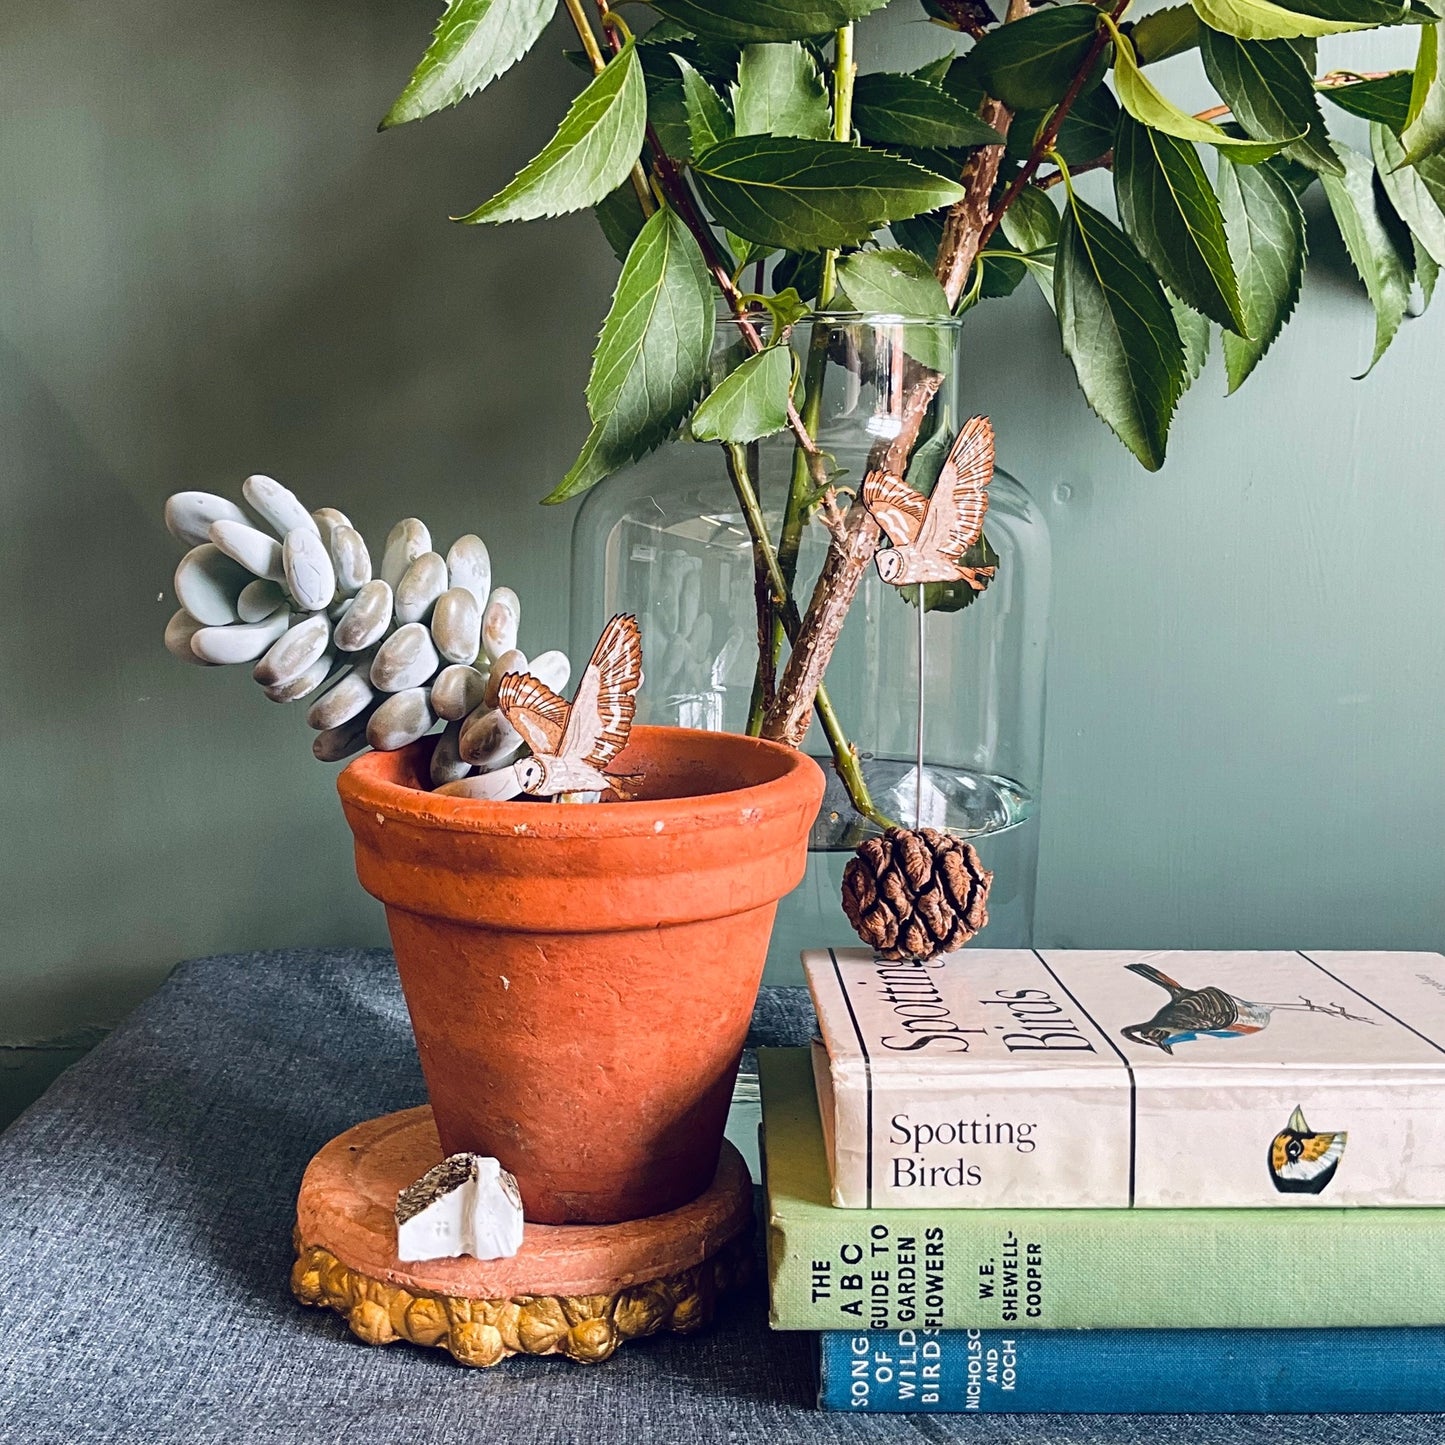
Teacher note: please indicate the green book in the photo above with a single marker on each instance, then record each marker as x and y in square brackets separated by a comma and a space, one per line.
[901, 1269]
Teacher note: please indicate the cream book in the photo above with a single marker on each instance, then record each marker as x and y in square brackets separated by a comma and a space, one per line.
[1059, 1079]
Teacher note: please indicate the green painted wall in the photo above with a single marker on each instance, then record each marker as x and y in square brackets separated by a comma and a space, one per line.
[210, 264]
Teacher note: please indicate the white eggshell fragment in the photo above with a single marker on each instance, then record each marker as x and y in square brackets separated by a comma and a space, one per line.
[405, 660]
[458, 690]
[456, 625]
[327, 520]
[500, 622]
[251, 547]
[467, 1204]
[179, 631]
[421, 584]
[277, 506]
[294, 652]
[189, 515]
[469, 565]
[241, 641]
[404, 544]
[349, 559]
[513, 661]
[401, 719]
[309, 574]
[494, 787]
[447, 765]
[259, 599]
[552, 668]
[207, 584]
[306, 683]
[488, 740]
[367, 619]
[339, 704]
[340, 742]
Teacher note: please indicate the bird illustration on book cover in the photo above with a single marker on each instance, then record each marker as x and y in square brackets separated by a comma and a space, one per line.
[1196, 1013]
[1302, 1160]
[929, 537]
[572, 743]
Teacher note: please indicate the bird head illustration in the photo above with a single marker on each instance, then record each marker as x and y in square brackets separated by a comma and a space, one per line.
[889, 561]
[1302, 1161]
[1152, 1035]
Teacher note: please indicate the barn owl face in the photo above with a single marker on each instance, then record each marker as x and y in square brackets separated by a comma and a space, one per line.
[890, 563]
[530, 774]
[1302, 1161]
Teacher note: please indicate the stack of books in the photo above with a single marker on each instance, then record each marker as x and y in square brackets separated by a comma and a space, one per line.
[1114, 1182]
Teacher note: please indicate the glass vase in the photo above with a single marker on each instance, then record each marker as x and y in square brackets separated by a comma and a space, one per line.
[667, 540]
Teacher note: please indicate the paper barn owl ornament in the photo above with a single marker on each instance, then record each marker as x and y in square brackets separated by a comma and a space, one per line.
[930, 536]
[572, 743]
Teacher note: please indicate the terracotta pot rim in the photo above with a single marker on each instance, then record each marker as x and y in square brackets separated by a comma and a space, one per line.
[364, 783]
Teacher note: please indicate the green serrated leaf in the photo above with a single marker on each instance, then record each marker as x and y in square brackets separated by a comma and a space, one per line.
[1032, 224]
[1372, 249]
[1266, 231]
[652, 356]
[1029, 63]
[1166, 32]
[1087, 131]
[892, 283]
[1194, 332]
[800, 271]
[667, 115]
[474, 42]
[749, 402]
[936, 71]
[1271, 93]
[903, 110]
[708, 120]
[1170, 213]
[1264, 20]
[1424, 133]
[761, 20]
[620, 216]
[1118, 330]
[1138, 95]
[1363, 12]
[1408, 193]
[807, 195]
[1001, 269]
[1427, 273]
[899, 283]
[920, 234]
[590, 156]
[779, 92]
[1385, 99]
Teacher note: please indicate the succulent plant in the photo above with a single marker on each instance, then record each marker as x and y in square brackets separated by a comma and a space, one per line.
[384, 658]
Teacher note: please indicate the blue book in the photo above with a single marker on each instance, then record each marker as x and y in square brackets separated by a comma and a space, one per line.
[1129, 1372]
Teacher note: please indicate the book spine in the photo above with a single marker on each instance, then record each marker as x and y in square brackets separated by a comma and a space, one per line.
[1105, 1269]
[1133, 1371]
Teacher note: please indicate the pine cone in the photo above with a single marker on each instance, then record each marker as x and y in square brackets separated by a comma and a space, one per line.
[916, 893]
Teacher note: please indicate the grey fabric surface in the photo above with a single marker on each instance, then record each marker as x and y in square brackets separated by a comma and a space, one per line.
[145, 1220]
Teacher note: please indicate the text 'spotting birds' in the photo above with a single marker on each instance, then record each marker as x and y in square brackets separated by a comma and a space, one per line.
[1194, 1013]
[930, 536]
[572, 743]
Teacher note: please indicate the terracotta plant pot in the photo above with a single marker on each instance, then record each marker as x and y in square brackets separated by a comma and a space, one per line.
[581, 977]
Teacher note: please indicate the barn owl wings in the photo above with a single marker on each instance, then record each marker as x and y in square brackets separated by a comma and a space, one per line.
[896, 507]
[535, 711]
[593, 727]
[606, 698]
[959, 502]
